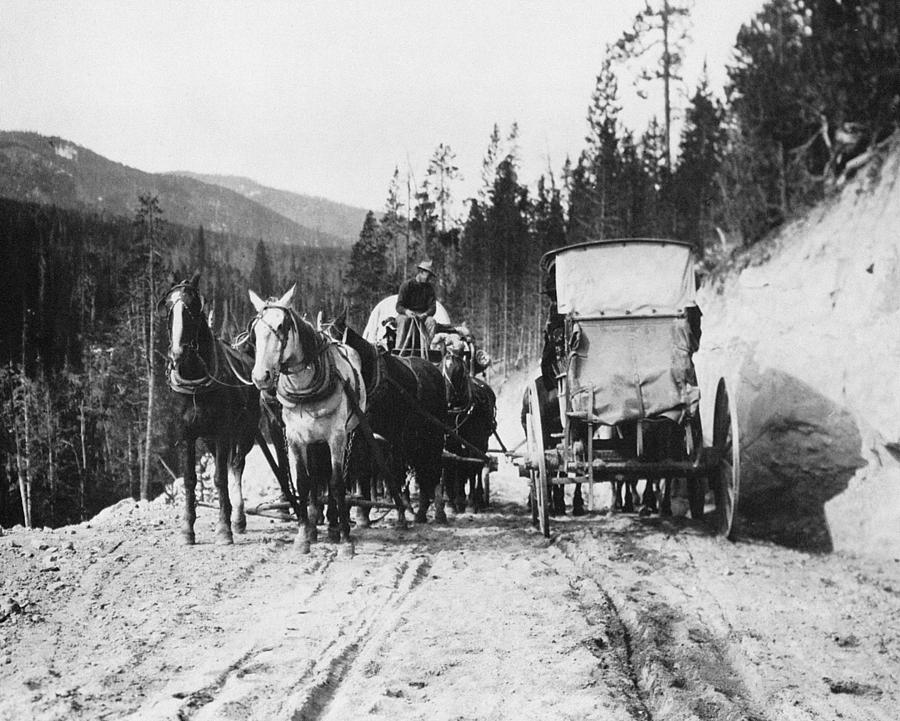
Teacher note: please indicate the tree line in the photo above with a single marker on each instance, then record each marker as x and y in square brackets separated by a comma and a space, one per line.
[84, 407]
[812, 91]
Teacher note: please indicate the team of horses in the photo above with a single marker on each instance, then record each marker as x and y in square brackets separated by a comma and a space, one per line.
[380, 416]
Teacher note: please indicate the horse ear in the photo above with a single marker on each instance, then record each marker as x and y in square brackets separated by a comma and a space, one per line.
[195, 279]
[258, 302]
[286, 300]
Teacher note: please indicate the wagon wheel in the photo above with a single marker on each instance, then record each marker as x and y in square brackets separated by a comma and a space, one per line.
[696, 486]
[540, 507]
[725, 479]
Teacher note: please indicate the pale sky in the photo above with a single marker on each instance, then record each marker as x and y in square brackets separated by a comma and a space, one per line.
[326, 97]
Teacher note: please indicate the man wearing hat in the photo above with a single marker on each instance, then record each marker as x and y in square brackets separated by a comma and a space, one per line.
[416, 299]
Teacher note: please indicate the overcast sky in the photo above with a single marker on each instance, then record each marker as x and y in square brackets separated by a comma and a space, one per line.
[323, 98]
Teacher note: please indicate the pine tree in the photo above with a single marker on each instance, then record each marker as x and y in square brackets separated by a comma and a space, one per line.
[661, 24]
[367, 279]
[594, 210]
[697, 195]
[261, 276]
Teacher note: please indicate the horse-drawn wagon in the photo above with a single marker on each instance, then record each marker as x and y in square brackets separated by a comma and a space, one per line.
[619, 400]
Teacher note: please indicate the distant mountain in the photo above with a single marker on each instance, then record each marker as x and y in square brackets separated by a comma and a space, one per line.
[51, 170]
[344, 221]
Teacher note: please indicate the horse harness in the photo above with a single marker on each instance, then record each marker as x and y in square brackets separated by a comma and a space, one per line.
[325, 374]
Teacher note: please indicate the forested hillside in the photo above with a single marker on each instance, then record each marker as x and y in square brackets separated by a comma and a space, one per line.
[79, 293]
[812, 94]
[54, 171]
[337, 219]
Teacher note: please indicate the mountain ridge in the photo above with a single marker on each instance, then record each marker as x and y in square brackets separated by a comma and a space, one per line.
[51, 170]
[310, 211]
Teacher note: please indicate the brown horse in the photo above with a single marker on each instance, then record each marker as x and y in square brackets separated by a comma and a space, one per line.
[472, 413]
[215, 405]
[406, 409]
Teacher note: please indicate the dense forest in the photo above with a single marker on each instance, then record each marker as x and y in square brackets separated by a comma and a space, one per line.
[83, 349]
[813, 91]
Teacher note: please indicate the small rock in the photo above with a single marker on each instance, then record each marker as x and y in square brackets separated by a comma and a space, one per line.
[8, 607]
[849, 641]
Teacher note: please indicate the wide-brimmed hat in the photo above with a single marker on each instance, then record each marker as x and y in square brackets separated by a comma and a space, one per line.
[427, 266]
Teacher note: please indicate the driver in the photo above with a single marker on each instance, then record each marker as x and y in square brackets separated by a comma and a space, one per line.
[416, 299]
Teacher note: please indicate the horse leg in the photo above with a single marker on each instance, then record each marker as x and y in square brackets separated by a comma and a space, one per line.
[558, 496]
[338, 492]
[578, 502]
[223, 528]
[648, 499]
[476, 490]
[236, 491]
[665, 508]
[306, 531]
[397, 469]
[630, 489]
[460, 478]
[190, 497]
[440, 515]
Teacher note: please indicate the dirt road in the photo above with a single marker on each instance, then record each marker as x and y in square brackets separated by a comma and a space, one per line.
[614, 618]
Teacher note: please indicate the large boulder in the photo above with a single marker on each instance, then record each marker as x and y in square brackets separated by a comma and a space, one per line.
[806, 330]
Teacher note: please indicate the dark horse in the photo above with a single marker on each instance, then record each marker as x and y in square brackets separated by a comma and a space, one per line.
[472, 412]
[406, 409]
[215, 405]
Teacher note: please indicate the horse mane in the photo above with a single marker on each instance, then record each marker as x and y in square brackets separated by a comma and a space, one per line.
[307, 335]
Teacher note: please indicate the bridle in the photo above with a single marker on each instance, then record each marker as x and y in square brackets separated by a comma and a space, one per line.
[282, 333]
[170, 300]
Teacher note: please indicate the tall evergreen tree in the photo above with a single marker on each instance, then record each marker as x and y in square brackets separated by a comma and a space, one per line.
[261, 279]
[367, 278]
[696, 187]
[660, 27]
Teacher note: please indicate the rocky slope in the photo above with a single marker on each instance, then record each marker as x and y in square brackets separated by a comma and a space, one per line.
[807, 332]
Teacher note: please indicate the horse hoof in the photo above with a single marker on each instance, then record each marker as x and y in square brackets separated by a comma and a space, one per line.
[440, 517]
[224, 539]
[347, 550]
[188, 539]
[240, 528]
[421, 517]
[578, 511]
[301, 545]
[334, 534]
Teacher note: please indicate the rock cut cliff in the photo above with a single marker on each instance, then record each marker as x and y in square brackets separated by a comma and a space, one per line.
[806, 329]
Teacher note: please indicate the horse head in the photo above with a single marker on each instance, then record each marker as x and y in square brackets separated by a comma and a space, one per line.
[454, 368]
[282, 338]
[182, 305]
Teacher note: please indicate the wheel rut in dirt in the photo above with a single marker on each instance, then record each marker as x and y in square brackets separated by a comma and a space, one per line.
[677, 665]
[360, 639]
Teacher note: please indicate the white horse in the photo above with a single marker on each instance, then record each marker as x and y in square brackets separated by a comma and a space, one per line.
[385, 310]
[313, 376]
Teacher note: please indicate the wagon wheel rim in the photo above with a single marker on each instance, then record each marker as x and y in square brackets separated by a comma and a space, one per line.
[536, 449]
[725, 478]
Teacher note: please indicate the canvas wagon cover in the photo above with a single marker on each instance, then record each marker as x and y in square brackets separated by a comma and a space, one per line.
[629, 369]
[387, 308]
[625, 278]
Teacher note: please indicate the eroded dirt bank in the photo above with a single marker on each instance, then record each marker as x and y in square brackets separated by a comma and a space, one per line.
[615, 617]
